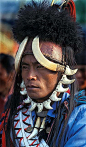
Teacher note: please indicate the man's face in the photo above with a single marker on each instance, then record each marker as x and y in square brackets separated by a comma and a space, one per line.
[39, 81]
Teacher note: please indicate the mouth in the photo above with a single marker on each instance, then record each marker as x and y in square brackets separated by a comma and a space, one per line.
[32, 87]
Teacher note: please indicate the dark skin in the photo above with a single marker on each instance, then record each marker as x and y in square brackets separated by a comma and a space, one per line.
[6, 83]
[39, 81]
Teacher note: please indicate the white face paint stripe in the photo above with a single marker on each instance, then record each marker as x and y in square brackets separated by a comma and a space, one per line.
[42, 60]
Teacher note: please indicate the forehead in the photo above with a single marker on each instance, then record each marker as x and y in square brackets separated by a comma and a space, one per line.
[49, 49]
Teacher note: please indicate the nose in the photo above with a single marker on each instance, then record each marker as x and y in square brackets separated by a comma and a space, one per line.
[31, 74]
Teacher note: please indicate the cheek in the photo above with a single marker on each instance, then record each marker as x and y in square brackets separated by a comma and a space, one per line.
[5, 79]
[51, 81]
[24, 75]
[54, 80]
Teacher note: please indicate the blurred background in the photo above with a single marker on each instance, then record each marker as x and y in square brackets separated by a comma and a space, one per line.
[8, 12]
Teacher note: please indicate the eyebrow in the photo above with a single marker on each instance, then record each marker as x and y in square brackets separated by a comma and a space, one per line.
[24, 63]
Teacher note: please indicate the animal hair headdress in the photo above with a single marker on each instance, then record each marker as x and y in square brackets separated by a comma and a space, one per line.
[49, 24]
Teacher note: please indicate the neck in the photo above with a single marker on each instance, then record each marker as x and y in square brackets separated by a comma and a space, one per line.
[40, 100]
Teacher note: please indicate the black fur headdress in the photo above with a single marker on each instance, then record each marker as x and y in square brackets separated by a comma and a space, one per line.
[49, 24]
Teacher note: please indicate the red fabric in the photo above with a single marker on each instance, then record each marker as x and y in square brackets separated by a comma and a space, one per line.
[1, 125]
[32, 142]
[3, 139]
[71, 8]
[3, 129]
[20, 142]
[68, 91]
[37, 145]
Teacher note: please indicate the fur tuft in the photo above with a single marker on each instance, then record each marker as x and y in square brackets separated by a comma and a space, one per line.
[49, 24]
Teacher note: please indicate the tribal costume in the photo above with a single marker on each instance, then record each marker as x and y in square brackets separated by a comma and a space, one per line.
[45, 33]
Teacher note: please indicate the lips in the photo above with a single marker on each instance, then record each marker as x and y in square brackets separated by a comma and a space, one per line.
[31, 87]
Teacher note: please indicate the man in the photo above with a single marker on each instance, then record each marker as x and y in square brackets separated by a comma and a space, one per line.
[6, 81]
[44, 67]
[6, 78]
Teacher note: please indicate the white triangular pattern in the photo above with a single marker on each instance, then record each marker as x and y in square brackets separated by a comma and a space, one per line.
[24, 134]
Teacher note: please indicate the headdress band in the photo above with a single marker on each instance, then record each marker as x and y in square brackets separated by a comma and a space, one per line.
[38, 55]
[42, 59]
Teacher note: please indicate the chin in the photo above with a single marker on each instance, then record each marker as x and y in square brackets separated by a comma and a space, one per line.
[34, 96]
[38, 99]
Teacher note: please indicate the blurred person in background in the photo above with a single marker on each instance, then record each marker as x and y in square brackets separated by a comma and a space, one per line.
[81, 78]
[84, 76]
[81, 65]
[6, 79]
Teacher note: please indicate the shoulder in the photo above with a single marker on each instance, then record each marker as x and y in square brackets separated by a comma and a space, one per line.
[77, 118]
[78, 114]
[80, 106]
[76, 128]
